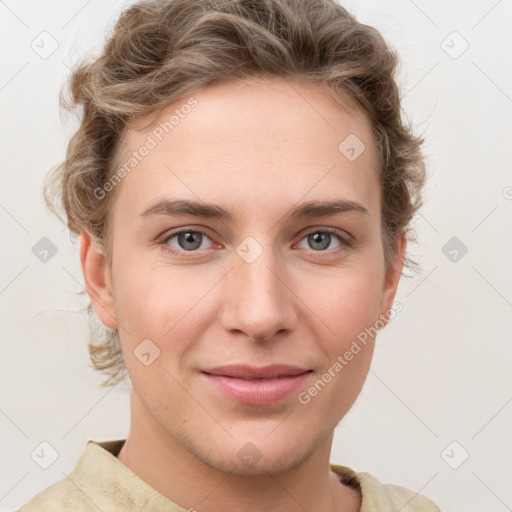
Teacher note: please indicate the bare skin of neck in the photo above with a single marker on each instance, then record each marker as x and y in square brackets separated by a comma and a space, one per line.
[152, 454]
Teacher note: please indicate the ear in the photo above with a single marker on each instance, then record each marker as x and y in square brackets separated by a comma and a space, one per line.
[97, 279]
[392, 278]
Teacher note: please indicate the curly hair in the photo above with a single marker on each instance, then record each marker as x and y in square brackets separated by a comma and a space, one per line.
[162, 50]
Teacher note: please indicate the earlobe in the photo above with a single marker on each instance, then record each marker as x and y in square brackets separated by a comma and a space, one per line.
[97, 279]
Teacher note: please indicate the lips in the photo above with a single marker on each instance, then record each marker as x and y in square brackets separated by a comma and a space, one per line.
[263, 386]
[247, 372]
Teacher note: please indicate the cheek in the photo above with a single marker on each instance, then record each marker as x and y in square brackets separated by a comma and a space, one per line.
[168, 305]
[349, 310]
[345, 300]
[143, 292]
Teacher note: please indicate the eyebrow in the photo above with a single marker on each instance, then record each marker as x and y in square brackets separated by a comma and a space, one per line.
[308, 209]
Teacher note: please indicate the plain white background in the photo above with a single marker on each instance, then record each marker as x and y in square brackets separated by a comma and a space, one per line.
[440, 387]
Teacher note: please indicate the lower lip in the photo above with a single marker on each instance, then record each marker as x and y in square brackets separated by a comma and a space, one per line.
[258, 392]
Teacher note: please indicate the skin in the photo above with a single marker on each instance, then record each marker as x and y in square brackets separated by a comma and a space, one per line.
[257, 147]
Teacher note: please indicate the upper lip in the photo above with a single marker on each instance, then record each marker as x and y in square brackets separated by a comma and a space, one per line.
[252, 372]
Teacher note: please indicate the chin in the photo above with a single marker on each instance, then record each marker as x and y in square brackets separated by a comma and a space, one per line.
[247, 456]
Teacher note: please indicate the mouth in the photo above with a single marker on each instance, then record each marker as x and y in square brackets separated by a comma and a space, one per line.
[257, 386]
[247, 372]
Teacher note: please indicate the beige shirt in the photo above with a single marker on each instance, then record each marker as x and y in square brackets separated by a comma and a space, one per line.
[100, 481]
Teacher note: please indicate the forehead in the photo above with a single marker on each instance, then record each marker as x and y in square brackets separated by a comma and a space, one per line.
[253, 140]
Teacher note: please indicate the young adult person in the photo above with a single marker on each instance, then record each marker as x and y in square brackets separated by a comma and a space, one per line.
[242, 183]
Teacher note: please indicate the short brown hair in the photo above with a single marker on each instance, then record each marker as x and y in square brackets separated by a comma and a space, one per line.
[162, 50]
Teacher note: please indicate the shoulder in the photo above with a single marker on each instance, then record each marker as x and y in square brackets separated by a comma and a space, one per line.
[96, 477]
[60, 496]
[100, 482]
[396, 497]
[384, 497]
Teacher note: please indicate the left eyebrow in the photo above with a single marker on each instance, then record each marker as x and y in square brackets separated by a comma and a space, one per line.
[326, 208]
[207, 210]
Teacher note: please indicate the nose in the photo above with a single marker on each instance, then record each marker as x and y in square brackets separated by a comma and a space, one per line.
[258, 298]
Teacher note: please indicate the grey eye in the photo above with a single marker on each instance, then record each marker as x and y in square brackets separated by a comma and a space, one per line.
[188, 240]
[320, 240]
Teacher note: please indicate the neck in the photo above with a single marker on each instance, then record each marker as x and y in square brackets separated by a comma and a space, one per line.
[167, 466]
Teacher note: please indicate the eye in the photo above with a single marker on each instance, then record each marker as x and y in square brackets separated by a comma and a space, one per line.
[188, 240]
[320, 240]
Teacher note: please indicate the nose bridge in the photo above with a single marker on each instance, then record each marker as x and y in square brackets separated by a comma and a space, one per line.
[258, 301]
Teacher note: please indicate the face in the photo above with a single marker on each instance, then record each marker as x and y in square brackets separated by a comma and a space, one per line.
[259, 287]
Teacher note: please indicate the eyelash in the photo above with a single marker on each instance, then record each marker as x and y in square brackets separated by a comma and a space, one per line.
[345, 243]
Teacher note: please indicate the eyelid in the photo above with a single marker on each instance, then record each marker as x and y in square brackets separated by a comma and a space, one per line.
[344, 235]
[171, 234]
[346, 240]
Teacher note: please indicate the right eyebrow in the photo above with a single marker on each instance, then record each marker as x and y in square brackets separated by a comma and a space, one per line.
[187, 207]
